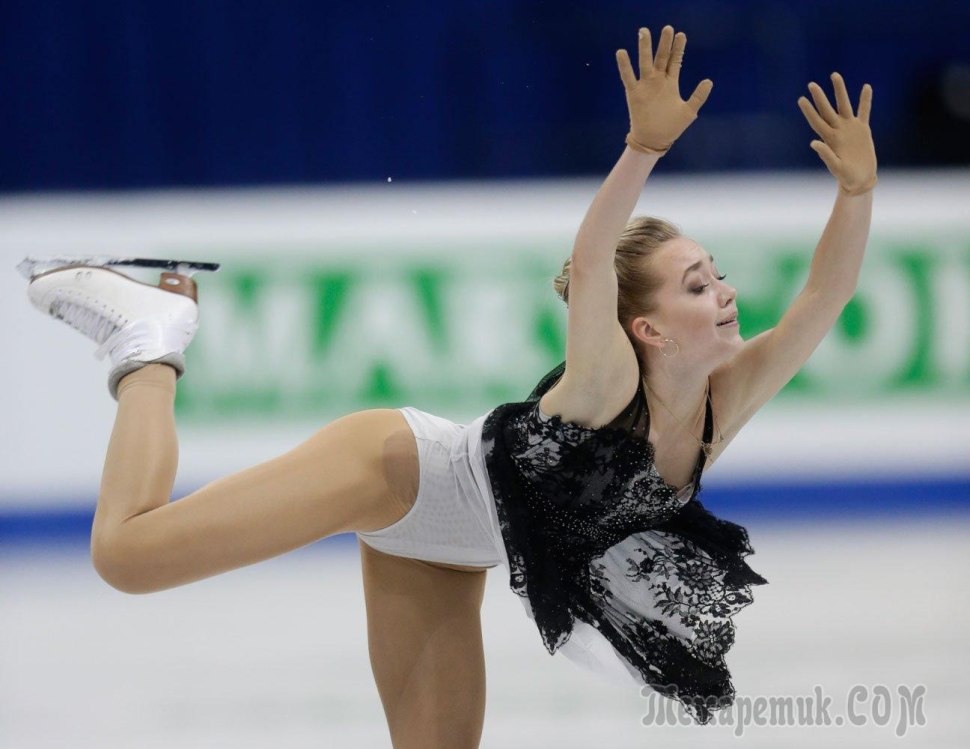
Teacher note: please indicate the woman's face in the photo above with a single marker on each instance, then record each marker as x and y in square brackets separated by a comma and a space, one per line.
[691, 302]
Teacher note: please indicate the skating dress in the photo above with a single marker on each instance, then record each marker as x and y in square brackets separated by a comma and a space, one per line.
[619, 570]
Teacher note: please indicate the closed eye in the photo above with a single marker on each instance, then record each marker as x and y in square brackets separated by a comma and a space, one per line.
[700, 289]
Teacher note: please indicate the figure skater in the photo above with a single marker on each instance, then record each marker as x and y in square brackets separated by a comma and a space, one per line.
[586, 491]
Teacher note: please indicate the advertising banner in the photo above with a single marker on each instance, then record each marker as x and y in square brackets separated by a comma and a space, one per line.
[440, 297]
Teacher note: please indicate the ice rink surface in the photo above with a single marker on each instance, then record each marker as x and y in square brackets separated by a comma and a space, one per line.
[275, 655]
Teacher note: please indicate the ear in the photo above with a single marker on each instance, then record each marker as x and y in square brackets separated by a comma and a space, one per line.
[645, 333]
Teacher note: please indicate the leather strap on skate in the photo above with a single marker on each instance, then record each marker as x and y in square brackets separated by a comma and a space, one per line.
[177, 284]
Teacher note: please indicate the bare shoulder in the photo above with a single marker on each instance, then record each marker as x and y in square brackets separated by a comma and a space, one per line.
[594, 396]
[594, 402]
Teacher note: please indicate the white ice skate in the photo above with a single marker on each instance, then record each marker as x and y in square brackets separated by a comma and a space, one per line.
[134, 323]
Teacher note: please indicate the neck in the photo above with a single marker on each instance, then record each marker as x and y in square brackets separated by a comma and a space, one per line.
[683, 392]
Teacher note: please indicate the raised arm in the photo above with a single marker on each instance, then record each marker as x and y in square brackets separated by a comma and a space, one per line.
[847, 150]
[768, 361]
[658, 116]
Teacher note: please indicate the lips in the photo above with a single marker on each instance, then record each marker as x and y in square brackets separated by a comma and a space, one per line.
[730, 321]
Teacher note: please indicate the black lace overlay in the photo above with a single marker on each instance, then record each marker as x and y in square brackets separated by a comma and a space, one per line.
[593, 533]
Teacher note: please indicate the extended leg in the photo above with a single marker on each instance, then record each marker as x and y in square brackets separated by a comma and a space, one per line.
[357, 473]
[424, 636]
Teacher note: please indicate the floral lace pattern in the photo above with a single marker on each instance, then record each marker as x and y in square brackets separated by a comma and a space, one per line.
[593, 533]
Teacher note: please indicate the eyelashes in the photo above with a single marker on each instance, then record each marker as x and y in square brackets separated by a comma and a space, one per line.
[700, 289]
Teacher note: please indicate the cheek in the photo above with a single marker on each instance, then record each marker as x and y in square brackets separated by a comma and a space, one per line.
[701, 320]
[691, 317]
[700, 323]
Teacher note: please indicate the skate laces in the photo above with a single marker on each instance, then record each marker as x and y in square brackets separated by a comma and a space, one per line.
[84, 319]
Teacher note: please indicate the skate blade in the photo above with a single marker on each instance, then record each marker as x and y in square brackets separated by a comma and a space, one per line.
[31, 267]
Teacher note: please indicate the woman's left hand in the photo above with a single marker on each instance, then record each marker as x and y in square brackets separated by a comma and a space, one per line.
[847, 150]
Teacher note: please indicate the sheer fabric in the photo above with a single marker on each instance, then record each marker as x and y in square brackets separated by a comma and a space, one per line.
[622, 572]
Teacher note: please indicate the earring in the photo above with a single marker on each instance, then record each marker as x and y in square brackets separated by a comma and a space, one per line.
[663, 349]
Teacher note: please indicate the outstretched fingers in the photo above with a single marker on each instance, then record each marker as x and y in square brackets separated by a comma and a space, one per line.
[677, 55]
[841, 95]
[663, 48]
[822, 104]
[645, 63]
[817, 124]
[703, 90]
[865, 103]
[669, 59]
[826, 154]
[626, 69]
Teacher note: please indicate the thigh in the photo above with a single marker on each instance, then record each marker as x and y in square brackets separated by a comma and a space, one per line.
[425, 642]
[360, 472]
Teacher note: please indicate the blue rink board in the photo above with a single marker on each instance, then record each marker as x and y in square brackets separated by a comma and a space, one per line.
[762, 502]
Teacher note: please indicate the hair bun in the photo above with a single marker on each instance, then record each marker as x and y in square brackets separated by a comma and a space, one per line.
[561, 282]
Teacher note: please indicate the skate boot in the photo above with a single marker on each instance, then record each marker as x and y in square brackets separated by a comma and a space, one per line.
[134, 323]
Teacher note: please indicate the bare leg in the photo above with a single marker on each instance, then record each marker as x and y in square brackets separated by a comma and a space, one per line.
[357, 473]
[425, 640]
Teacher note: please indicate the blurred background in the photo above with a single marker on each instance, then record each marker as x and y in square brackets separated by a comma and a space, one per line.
[391, 188]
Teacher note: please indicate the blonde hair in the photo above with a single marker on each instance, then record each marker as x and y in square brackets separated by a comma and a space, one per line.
[637, 285]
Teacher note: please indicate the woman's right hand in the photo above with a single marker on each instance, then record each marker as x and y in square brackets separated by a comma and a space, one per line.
[657, 113]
